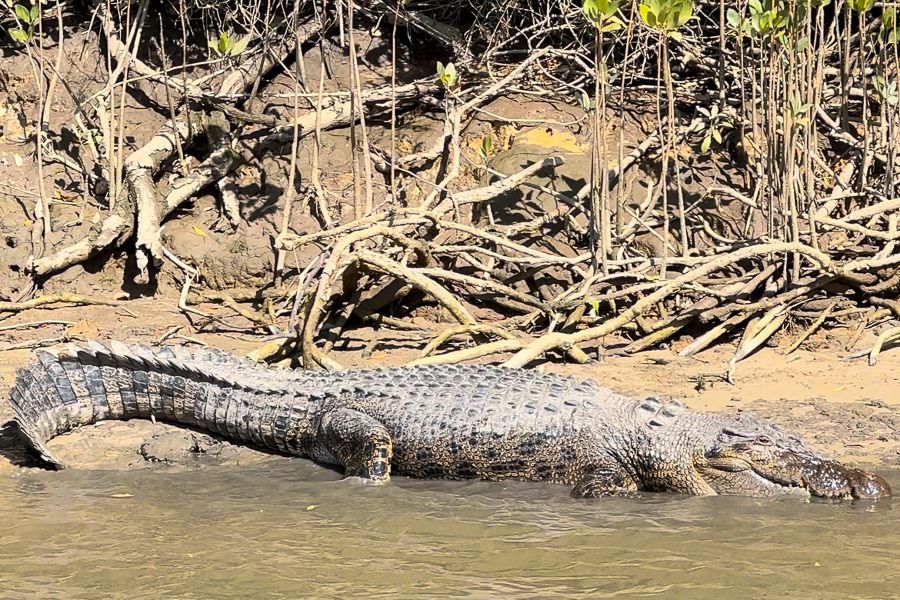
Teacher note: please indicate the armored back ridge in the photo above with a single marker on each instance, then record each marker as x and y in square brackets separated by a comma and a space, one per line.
[449, 422]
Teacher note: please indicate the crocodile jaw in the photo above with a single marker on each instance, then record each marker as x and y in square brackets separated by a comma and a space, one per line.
[800, 476]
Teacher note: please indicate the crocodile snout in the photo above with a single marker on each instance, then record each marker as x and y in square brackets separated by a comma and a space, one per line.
[831, 479]
[868, 486]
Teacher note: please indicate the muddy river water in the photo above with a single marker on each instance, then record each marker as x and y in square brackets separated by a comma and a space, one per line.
[289, 529]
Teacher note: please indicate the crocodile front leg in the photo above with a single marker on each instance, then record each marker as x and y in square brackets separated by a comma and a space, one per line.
[359, 443]
[605, 480]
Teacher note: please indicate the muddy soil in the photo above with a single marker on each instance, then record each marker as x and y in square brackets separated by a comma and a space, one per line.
[845, 408]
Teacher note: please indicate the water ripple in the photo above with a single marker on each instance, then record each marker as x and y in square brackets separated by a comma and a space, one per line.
[287, 530]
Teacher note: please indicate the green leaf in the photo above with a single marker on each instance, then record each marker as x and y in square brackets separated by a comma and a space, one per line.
[35, 14]
[647, 16]
[889, 25]
[733, 18]
[675, 35]
[447, 77]
[686, 12]
[240, 45]
[609, 7]
[591, 11]
[450, 73]
[585, 102]
[22, 14]
[614, 24]
[222, 46]
[705, 144]
[18, 35]
[717, 136]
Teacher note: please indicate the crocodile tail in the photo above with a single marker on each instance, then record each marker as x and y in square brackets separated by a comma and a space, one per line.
[84, 384]
[77, 386]
[34, 416]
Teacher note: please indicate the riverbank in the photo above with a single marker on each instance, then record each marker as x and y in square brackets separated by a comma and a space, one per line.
[845, 408]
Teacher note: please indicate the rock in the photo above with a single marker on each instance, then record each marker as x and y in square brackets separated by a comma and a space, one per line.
[531, 146]
[175, 446]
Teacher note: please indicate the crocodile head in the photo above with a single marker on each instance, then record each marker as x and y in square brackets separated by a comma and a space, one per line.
[750, 457]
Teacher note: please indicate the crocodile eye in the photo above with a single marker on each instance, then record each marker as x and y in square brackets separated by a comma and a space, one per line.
[763, 440]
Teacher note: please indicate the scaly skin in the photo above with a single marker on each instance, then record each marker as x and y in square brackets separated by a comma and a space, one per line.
[447, 422]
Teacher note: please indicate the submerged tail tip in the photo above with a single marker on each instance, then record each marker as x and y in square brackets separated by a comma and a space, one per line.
[28, 420]
[37, 448]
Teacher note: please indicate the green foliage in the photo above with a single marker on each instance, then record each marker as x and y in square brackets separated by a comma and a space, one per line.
[886, 90]
[666, 16]
[226, 46]
[484, 152]
[26, 20]
[889, 34]
[716, 122]
[799, 110]
[772, 19]
[738, 23]
[602, 14]
[769, 19]
[862, 6]
[19, 35]
[25, 15]
[447, 76]
[585, 101]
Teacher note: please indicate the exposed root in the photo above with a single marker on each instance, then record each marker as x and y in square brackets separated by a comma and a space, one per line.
[889, 336]
[744, 247]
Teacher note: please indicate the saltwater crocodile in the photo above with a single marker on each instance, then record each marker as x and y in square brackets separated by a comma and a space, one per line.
[448, 422]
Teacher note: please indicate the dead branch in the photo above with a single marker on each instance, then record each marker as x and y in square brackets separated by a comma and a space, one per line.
[466, 329]
[74, 299]
[886, 337]
[32, 324]
[499, 187]
[441, 32]
[812, 328]
[417, 278]
[562, 340]
[112, 231]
